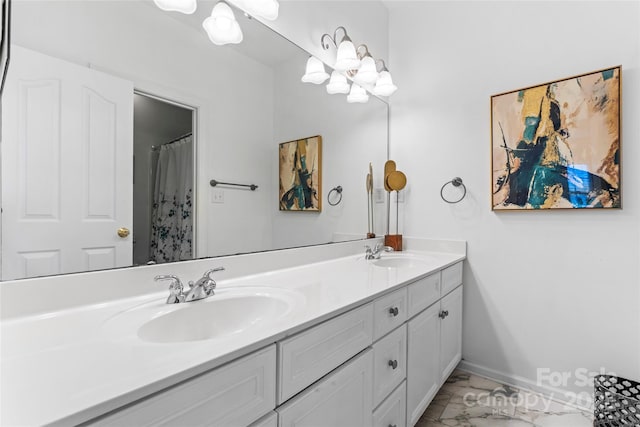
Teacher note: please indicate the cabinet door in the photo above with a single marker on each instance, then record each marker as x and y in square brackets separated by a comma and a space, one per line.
[342, 398]
[451, 333]
[423, 362]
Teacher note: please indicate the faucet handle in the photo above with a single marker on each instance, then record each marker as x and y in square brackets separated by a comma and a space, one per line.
[213, 270]
[207, 282]
[176, 294]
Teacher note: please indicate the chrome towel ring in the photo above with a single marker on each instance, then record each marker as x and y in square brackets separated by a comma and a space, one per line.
[337, 190]
[456, 182]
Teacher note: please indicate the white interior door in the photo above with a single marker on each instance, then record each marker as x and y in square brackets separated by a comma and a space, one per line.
[67, 168]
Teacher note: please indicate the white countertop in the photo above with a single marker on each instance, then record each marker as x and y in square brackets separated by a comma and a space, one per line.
[66, 367]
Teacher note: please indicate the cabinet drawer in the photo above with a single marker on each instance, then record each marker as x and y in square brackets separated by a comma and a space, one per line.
[343, 398]
[423, 293]
[389, 363]
[235, 394]
[451, 278]
[391, 413]
[389, 312]
[308, 356]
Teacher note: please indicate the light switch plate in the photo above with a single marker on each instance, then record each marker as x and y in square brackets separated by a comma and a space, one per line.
[217, 196]
[378, 195]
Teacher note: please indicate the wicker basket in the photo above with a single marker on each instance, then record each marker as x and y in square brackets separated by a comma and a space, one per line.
[616, 402]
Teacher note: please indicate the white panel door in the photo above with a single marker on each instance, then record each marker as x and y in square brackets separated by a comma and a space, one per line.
[67, 167]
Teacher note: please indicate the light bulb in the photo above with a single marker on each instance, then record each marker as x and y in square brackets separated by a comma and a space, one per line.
[357, 94]
[222, 27]
[267, 9]
[337, 84]
[367, 73]
[314, 72]
[346, 59]
[384, 84]
[184, 6]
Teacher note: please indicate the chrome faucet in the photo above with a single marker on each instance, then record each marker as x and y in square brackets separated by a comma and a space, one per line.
[202, 288]
[376, 251]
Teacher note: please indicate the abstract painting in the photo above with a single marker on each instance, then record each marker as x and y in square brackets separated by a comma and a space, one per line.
[557, 145]
[301, 174]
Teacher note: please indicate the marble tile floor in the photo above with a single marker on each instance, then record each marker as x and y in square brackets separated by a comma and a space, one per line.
[467, 400]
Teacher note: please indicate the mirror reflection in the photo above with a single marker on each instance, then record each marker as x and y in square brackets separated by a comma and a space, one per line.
[94, 174]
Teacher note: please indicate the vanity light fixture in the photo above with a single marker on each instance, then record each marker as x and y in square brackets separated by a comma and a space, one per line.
[222, 27]
[338, 83]
[360, 66]
[267, 9]
[315, 72]
[184, 6]
[357, 94]
[347, 57]
[384, 85]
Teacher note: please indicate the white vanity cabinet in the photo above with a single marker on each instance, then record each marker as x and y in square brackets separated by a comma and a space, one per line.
[434, 339]
[235, 394]
[378, 364]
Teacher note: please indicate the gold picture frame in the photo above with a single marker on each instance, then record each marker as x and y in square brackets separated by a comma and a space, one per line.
[557, 145]
[300, 175]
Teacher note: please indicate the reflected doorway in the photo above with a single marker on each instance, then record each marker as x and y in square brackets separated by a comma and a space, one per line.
[163, 180]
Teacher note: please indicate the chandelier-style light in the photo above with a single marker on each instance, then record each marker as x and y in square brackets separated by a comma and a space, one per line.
[356, 63]
[184, 6]
[222, 27]
[267, 9]
[338, 83]
[314, 72]
[357, 94]
[384, 85]
[367, 73]
[347, 57]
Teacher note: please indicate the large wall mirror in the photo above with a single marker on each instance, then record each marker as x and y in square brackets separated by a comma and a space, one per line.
[116, 116]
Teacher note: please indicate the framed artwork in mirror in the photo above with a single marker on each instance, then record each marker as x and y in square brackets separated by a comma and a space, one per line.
[300, 172]
[557, 145]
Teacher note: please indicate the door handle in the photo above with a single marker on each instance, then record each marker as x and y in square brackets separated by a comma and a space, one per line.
[123, 232]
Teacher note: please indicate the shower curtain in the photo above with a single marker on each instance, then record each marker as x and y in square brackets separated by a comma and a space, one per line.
[172, 209]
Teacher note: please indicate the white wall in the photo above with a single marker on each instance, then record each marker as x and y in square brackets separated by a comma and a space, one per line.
[557, 290]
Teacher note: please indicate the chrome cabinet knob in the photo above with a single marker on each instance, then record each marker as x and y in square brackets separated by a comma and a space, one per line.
[393, 364]
[443, 314]
[394, 311]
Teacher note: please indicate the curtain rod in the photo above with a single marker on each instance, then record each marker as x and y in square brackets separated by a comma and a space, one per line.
[157, 147]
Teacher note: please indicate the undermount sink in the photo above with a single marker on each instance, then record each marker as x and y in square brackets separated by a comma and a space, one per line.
[228, 312]
[401, 261]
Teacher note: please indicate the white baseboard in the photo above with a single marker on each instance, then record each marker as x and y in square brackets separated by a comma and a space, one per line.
[563, 396]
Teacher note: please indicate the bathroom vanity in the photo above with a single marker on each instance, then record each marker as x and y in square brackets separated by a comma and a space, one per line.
[341, 341]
